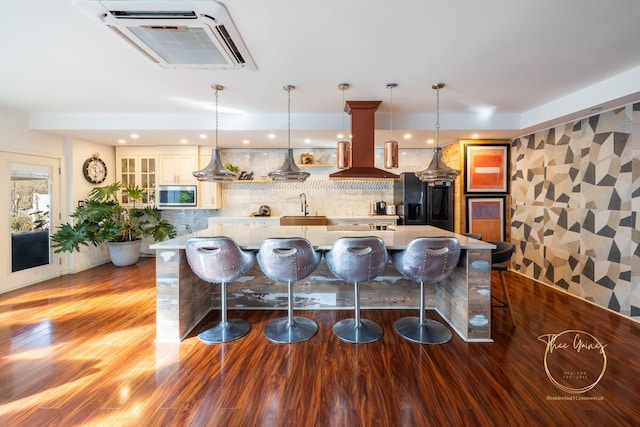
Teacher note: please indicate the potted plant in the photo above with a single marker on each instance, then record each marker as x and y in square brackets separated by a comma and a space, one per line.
[101, 218]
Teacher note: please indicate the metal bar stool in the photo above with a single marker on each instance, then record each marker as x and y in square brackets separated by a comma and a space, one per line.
[289, 260]
[500, 255]
[220, 260]
[426, 260]
[355, 260]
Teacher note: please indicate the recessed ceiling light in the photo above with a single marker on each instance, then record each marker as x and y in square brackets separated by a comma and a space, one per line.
[183, 141]
[203, 136]
[475, 136]
[307, 141]
[135, 136]
[407, 136]
[122, 141]
[271, 136]
[339, 136]
[429, 141]
[245, 141]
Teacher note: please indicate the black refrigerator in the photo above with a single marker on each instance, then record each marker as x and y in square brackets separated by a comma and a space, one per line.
[421, 203]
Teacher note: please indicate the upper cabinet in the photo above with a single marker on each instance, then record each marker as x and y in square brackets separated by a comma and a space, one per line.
[176, 165]
[209, 193]
[137, 166]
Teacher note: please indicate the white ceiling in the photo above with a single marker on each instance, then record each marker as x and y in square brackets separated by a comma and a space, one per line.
[510, 67]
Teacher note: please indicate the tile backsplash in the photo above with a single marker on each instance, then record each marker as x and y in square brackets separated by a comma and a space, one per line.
[324, 196]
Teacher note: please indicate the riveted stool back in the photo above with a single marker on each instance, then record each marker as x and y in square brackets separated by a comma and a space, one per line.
[289, 260]
[219, 260]
[355, 260]
[426, 260]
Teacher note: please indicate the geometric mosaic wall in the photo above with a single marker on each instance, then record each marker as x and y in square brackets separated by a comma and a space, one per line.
[575, 202]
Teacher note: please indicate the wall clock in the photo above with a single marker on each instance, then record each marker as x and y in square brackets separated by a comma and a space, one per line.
[94, 169]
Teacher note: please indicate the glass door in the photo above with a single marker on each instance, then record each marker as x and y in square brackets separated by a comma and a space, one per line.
[30, 205]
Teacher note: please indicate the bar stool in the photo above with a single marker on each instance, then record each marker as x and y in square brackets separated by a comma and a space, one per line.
[355, 260]
[219, 260]
[426, 260]
[289, 260]
[500, 255]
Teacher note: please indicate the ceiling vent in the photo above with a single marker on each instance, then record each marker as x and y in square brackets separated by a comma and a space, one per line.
[193, 34]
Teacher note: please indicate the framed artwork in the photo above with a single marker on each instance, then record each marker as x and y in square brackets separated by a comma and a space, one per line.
[486, 168]
[486, 216]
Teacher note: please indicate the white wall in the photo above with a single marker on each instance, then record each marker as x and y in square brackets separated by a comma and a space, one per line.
[17, 138]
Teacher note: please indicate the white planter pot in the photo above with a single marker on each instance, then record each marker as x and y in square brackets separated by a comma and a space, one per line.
[124, 253]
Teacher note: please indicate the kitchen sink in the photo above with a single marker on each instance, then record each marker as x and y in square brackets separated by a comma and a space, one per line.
[303, 220]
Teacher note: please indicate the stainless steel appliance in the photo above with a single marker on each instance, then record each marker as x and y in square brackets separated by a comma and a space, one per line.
[423, 203]
[170, 196]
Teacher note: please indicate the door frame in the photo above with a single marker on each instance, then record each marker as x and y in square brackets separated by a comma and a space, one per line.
[13, 280]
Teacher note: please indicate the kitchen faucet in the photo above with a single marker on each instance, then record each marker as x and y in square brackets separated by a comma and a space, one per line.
[303, 204]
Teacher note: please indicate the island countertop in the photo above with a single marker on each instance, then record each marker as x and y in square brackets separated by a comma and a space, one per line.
[463, 299]
[396, 237]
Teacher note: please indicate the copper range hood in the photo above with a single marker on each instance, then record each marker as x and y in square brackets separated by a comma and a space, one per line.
[362, 143]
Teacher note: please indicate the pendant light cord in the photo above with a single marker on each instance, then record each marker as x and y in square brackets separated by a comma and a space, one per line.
[217, 118]
[437, 115]
[391, 99]
[289, 116]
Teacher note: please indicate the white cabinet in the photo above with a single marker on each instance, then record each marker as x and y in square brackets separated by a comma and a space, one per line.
[369, 220]
[244, 221]
[209, 193]
[176, 165]
[137, 166]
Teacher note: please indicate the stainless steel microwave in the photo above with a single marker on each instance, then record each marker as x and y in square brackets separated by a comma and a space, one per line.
[170, 196]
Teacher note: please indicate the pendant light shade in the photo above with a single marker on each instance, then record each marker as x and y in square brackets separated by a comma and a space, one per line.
[289, 171]
[343, 150]
[344, 155]
[438, 171]
[215, 171]
[391, 154]
[391, 147]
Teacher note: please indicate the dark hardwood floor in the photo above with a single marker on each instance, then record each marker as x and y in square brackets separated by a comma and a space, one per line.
[79, 351]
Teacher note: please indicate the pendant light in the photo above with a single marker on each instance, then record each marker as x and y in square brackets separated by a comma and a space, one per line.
[391, 147]
[344, 147]
[215, 171]
[289, 171]
[438, 171]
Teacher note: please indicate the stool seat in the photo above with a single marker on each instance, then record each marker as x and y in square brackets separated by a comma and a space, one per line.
[289, 260]
[219, 260]
[355, 260]
[426, 260]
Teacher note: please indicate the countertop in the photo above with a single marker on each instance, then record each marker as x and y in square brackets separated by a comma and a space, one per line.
[322, 237]
[277, 217]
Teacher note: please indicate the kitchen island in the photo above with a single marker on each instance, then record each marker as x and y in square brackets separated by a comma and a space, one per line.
[463, 299]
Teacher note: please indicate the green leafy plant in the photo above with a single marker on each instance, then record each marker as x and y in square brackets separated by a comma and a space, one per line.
[101, 218]
[231, 167]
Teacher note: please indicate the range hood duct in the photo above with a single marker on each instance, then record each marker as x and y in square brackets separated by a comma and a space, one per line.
[195, 34]
[362, 143]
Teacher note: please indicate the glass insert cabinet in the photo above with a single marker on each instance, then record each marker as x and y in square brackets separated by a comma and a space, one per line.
[137, 166]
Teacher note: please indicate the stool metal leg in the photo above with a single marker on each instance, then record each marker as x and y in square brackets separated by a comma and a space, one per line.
[505, 291]
[290, 329]
[422, 330]
[225, 330]
[357, 330]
